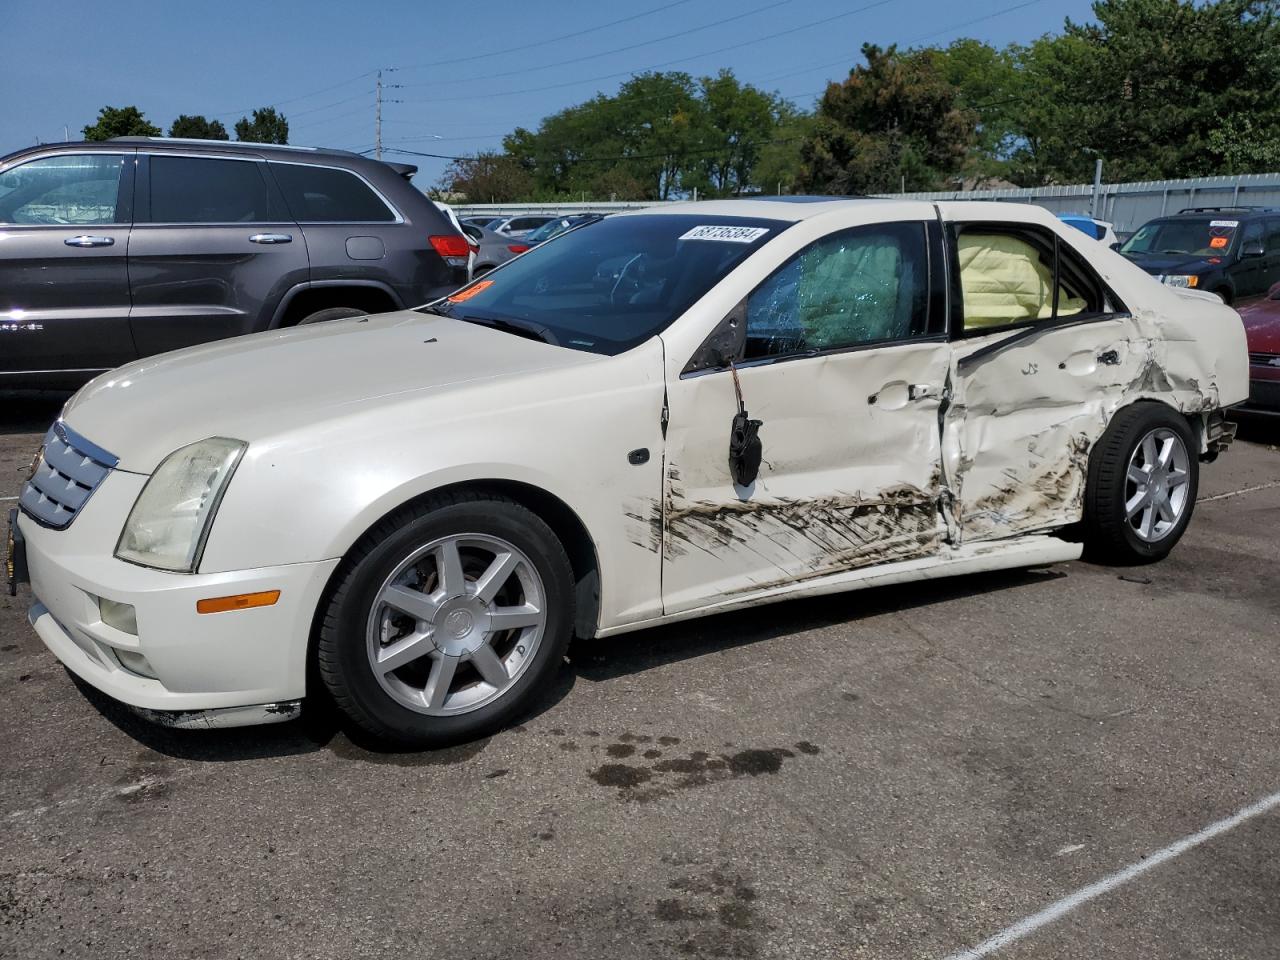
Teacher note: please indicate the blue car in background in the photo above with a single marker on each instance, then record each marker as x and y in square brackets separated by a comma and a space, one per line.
[1098, 229]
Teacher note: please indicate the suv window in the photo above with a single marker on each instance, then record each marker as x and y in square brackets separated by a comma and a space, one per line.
[525, 223]
[865, 285]
[205, 190]
[1273, 236]
[327, 195]
[66, 189]
[1006, 278]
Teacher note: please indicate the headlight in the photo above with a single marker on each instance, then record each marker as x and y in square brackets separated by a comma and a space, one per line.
[170, 521]
[1180, 280]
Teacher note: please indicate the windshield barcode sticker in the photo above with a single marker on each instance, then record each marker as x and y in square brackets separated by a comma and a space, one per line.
[1224, 223]
[726, 234]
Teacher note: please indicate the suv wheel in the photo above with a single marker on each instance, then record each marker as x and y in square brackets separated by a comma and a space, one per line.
[332, 313]
[453, 618]
[1143, 478]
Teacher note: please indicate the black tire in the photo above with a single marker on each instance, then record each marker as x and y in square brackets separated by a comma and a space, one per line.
[481, 270]
[343, 655]
[1224, 294]
[332, 313]
[1109, 536]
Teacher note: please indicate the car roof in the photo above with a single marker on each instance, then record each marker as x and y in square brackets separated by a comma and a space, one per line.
[240, 148]
[1235, 213]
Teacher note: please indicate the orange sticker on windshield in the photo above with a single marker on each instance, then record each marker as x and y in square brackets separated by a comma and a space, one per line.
[1217, 243]
[466, 293]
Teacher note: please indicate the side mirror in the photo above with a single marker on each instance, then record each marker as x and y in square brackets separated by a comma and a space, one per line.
[726, 343]
[1116, 245]
[1252, 249]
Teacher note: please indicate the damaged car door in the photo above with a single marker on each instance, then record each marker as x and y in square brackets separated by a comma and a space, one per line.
[1044, 353]
[840, 355]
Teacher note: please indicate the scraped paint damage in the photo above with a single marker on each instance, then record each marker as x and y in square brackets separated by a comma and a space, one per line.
[1016, 428]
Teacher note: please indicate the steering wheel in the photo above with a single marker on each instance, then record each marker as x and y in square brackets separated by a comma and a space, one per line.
[622, 274]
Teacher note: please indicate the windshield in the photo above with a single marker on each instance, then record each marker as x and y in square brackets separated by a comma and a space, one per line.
[1207, 237]
[614, 284]
[549, 230]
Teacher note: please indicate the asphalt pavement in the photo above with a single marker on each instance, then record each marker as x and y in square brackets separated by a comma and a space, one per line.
[904, 772]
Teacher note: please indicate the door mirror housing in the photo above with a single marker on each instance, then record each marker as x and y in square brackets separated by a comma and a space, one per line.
[1252, 249]
[725, 345]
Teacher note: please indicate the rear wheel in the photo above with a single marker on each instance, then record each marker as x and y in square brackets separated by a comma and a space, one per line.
[1143, 478]
[452, 619]
[332, 313]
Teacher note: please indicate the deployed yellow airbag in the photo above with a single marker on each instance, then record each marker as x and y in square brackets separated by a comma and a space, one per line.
[1004, 281]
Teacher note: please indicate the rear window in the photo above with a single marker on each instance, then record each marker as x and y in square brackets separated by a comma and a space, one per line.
[203, 190]
[613, 284]
[324, 194]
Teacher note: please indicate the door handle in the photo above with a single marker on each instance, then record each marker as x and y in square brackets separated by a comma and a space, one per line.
[271, 238]
[921, 391]
[87, 241]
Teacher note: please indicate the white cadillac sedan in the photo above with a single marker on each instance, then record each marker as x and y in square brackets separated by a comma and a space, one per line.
[666, 414]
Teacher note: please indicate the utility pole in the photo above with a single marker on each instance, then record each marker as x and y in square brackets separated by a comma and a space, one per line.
[377, 110]
[1095, 200]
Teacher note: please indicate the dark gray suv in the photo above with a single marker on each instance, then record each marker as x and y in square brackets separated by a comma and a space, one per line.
[121, 249]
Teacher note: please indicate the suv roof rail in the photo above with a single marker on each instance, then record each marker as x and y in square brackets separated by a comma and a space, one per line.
[232, 143]
[1244, 208]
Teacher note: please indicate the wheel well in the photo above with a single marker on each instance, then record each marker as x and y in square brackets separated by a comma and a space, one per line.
[556, 514]
[1224, 292]
[369, 299]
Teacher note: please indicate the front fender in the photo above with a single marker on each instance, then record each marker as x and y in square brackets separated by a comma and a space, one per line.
[311, 493]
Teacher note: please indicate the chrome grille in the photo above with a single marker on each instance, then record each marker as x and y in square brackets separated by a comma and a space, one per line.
[70, 469]
[1265, 359]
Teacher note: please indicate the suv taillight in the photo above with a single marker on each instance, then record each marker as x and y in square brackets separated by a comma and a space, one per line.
[518, 247]
[454, 248]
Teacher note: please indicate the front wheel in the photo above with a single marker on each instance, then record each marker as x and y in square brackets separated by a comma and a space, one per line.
[1143, 479]
[450, 620]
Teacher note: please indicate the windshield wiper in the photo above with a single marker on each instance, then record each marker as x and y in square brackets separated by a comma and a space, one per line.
[521, 328]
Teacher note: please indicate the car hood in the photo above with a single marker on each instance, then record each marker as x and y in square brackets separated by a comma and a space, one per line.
[1262, 326]
[264, 384]
[1158, 264]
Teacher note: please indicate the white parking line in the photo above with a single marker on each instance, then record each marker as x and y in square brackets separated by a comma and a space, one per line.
[8, 498]
[1082, 896]
[1235, 493]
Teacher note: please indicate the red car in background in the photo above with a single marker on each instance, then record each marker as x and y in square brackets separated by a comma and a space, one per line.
[1262, 325]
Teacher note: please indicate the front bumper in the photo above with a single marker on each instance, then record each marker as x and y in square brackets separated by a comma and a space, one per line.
[225, 662]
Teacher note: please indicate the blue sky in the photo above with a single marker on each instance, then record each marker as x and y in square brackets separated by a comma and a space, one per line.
[315, 60]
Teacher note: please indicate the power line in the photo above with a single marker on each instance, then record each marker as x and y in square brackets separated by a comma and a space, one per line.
[937, 33]
[606, 53]
[305, 96]
[665, 63]
[621, 157]
[540, 43]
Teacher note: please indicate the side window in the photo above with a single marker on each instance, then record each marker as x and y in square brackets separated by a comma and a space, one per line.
[1007, 274]
[69, 189]
[865, 285]
[1253, 235]
[1273, 237]
[203, 190]
[326, 195]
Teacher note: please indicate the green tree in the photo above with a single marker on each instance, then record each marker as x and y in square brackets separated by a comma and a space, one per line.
[198, 128]
[267, 126]
[989, 84]
[896, 121]
[487, 177]
[737, 125]
[1146, 88]
[120, 122]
